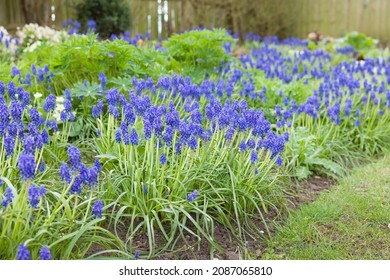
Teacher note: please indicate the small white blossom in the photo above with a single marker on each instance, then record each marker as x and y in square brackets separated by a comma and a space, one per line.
[37, 95]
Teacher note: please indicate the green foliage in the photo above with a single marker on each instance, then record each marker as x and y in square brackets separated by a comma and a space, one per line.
[305, 154]
[83, 57]
[360, 42]
[199, 51]
[86, 57]
[154, 194]
[111, 16]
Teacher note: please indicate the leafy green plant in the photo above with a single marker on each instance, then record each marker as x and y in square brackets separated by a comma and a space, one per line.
[199, 51]
[305, 155]
[359, 41]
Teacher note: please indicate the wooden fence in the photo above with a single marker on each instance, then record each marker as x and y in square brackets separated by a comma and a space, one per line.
[337, 17]
[161, 17]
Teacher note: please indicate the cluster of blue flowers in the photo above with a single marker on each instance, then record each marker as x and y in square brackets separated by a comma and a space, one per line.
[13, 129]
[34, 193]
[7, 197]
[78, 174]
[339, 85]
[97, 209]
[24, 130]
[40, 75]
[192, 196]
[197, 125]
[7, 40]
[74, 26]
[24, 254]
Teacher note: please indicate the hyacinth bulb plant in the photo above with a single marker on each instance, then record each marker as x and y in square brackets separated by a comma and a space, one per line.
[34, 197]
[187, 167]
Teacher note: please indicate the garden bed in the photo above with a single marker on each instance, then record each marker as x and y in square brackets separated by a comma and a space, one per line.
[132, 148]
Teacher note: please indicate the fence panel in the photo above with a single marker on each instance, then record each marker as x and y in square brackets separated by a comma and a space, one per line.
[336, 17]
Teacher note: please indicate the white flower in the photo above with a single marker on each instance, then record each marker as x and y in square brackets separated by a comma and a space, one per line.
[38, 95]
[60, 107]
[33, 33]
[33, 46]
[57, 116]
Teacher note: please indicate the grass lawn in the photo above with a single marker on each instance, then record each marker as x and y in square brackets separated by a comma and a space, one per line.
[350, 221]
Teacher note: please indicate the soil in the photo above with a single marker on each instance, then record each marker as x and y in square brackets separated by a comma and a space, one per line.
[307, 191]
[188, 248]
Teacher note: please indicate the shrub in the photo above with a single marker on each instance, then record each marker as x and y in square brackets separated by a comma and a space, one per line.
[111, 16]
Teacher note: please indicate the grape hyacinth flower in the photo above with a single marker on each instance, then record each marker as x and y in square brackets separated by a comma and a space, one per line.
[192, 143]
[229, 133]
[279, 161]
[65, 173]
[84, 173]
[68, 106]
[118, 136]
[93, 176]
[192, 196]
[97, 165]
[29, 145]
[36, 117]
[34, 69]
[2, 88]
[286, 136]
[91, 25]
[42, 191]
[34, 193]
[50, 103]
[11, 90]
[9, 144]
[45, 136]
[23, 253]
[136, 254]
[68, 95]
[76, 186]
[254, 157]
[27, 79]
[16, 111]
[112, 97]
[242, 146]
[95, 111]
[163, 158]
[103, 80]
[113, 110]
[251, 143]
[134, 137]
[44, 253]
[100, 106]
[7, 197]
[27, 165]
[42, 167]
[74, 157]
[97, 209]
[357, 123]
